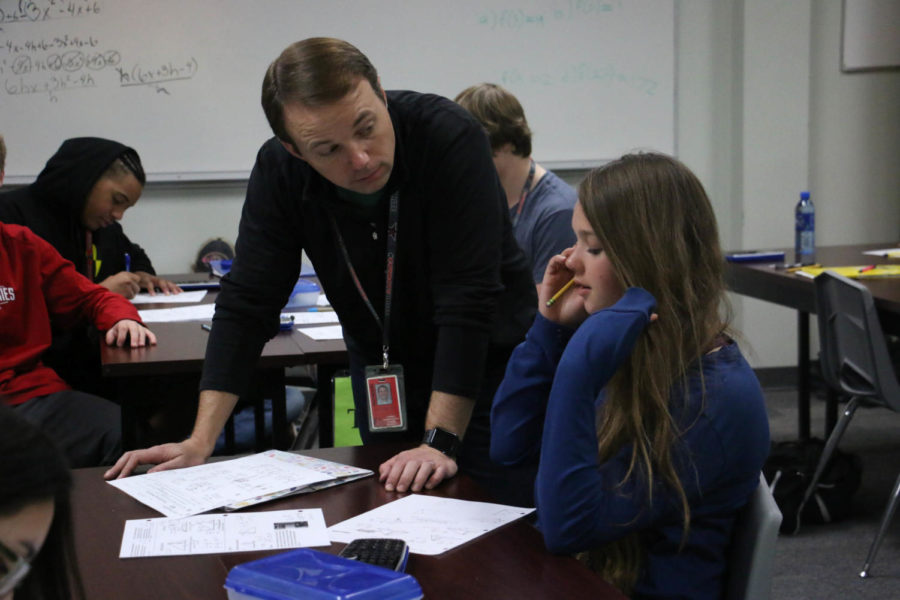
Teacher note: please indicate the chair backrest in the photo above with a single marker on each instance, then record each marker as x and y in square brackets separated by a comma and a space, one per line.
[854, 355]
[752, 551]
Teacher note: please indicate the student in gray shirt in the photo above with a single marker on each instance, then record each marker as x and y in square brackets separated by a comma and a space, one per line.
[540, 203]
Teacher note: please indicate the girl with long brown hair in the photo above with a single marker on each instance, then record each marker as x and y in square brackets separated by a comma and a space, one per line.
[649, 424]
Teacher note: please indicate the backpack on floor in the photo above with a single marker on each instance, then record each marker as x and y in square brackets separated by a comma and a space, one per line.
[790, 468]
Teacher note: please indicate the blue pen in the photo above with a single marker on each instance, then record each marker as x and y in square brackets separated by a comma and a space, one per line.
[127, 262]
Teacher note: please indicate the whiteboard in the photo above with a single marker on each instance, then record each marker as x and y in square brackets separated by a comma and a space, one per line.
[179, 80]
[871, 35]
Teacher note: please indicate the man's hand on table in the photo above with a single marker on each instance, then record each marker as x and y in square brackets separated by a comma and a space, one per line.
[188, 453]
[416, 469]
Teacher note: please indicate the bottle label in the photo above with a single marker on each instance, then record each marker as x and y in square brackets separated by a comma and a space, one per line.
[805, 221]
[807, 242]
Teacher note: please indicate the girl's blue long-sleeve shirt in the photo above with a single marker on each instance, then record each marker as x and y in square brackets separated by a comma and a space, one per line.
[547, 406]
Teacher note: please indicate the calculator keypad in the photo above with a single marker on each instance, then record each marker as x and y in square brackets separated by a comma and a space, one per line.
[387, 553]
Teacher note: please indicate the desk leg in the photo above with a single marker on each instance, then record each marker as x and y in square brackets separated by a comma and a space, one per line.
[270, 384]
[831, 412]
[280, 438]
[803, 374]
[128, 411]
[259, 417]
[325, 403]
[229, 435]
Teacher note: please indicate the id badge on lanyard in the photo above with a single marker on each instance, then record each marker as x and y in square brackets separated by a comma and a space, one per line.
[386, 398]
[385, 392]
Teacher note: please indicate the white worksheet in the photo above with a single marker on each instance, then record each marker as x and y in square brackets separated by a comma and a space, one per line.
[328, 332]
[219, 533]
[428, 524]
[313, 317]
[888, 252]
[160, 298]
[195, 490]
[199, 312]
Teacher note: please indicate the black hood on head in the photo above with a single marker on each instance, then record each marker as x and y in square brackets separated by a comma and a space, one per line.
[71, 173]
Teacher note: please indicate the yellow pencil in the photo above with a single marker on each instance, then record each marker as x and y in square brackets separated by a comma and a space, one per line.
[561, 291]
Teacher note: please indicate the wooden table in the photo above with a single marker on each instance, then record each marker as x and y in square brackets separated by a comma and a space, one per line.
[181, 348]
[510, 562]
[762, 281]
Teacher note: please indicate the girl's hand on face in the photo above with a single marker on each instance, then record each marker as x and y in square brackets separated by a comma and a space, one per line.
[568, 309]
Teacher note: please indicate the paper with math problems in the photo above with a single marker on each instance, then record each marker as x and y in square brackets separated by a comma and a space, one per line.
[195, 490]
[888, 252]
[198, 312]
[160, 298]
[220, 533]
[429, 524]
[313, 317]
[339, 474]
[326, 332]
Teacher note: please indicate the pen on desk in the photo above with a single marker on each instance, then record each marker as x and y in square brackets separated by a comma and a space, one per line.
[127, 262]
[205, 327]
[800, 268]
[320, 309]
[561, 291]
[867, 268]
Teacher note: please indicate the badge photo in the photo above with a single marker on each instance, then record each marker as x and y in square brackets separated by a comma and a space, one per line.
[386, 406]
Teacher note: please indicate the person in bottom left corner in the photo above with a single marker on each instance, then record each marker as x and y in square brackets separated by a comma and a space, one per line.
[37, 284]
[37, 556]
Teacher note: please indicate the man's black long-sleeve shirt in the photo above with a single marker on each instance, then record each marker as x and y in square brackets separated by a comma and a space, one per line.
[462, 286]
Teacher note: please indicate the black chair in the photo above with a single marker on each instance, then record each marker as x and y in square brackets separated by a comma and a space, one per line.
[855, 362]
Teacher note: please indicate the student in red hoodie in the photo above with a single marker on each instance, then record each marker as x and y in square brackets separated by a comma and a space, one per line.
[37, 285]
[76, 204]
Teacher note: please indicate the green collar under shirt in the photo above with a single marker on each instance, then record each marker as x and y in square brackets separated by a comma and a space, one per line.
[363, 205]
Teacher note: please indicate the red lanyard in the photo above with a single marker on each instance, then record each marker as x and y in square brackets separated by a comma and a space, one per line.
[390, 266]
[525, 191]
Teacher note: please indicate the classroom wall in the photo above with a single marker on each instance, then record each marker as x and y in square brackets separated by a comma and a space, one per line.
[763, 112]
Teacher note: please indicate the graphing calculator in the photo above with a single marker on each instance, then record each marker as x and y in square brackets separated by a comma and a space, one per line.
[382, 552]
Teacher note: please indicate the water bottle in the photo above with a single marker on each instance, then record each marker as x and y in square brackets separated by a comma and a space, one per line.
[805, 230]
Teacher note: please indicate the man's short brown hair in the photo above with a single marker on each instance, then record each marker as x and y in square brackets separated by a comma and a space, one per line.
[313, 72]
[501, 115]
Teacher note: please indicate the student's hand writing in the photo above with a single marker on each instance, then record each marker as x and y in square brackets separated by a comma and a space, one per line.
[165, 456]
[568, 309]
[127, 330]
[123, 283]
[151, 283]
[416, 469]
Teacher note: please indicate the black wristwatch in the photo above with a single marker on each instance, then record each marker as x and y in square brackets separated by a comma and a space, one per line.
[442, 440]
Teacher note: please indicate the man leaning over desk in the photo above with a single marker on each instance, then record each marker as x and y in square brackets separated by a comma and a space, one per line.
[353, 176]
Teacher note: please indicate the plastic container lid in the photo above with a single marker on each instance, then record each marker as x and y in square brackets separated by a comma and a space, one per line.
[220, 267]
[307, 573]
[306, 293]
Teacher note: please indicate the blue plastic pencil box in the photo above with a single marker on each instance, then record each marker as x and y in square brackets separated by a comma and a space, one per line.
[307, 573]
[756, 256]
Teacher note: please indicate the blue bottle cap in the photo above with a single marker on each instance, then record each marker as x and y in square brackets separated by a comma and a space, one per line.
[804, 195]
